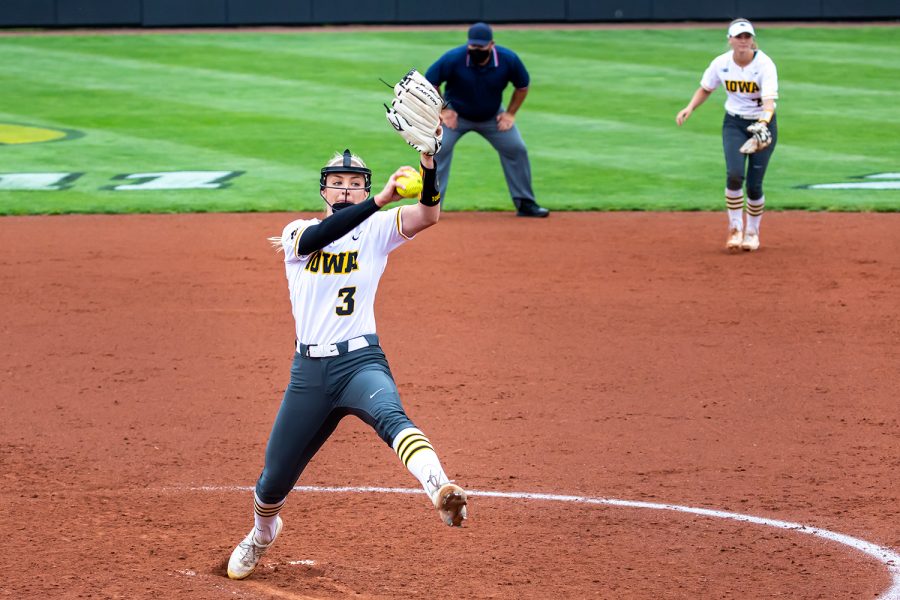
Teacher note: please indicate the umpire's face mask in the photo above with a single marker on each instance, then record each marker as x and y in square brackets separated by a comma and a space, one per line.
[478, 55]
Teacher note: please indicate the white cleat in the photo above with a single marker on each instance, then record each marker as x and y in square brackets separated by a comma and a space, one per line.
[246, 556]
[450, 501]
[735, 240]
[751, 241]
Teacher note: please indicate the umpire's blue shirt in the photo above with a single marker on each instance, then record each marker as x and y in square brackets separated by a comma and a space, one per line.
[476, 92]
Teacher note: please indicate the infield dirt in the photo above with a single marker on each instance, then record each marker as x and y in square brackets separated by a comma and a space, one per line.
[618, 355]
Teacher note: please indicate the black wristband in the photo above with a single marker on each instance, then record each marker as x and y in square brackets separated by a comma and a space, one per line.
[334, 226]
[431, 191]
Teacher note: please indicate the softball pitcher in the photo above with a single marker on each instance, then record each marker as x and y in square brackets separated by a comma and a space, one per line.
[749, 131]
[333, 268]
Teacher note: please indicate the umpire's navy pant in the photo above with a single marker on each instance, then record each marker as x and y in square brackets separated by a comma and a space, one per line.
[734, 134]
[508, 144]
[322, 391]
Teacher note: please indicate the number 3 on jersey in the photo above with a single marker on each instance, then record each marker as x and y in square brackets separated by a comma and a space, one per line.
[346, 296]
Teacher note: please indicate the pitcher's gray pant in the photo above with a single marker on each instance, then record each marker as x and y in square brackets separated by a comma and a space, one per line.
[508, 144]
[322, 391]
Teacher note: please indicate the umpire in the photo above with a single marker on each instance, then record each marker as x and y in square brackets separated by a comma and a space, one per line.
[476, 75]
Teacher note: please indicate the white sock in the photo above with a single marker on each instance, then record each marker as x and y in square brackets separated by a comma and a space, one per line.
[264, 517]
[754, 213]
[734, 201]
[417, 453]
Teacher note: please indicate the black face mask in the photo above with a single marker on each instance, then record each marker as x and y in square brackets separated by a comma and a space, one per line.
[478, 56]
[339, 205]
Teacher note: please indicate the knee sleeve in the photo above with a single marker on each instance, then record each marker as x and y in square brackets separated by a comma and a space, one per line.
[754, 191]
[734, 181]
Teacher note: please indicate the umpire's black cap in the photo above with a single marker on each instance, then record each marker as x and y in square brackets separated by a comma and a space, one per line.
[480, 34]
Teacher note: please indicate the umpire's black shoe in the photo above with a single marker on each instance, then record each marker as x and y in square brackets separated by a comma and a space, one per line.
[529, 208]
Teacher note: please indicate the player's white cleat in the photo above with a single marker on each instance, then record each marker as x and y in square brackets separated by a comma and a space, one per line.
[751, 241]
[735, 239]
[246, 556]
[450, 501]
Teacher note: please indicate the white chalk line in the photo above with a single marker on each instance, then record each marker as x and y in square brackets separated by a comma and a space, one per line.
[886, 556]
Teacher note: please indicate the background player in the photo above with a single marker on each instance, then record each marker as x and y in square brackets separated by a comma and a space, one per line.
[476, 75]
[751, 84]
[333, 268]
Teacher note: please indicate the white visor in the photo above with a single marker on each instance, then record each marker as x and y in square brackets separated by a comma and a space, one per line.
[739, 28]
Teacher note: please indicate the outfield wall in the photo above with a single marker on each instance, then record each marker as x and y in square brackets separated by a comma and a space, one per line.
[170, 13]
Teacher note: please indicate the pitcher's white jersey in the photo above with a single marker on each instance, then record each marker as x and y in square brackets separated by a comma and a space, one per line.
[746, 86]
[333, 289]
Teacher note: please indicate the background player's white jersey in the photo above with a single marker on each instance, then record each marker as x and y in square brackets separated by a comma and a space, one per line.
[746, 86]
[333, 289]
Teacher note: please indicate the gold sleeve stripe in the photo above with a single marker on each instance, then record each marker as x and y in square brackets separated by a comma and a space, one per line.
[400, 223]
[413, 449]
[406, 441]
[297, 240]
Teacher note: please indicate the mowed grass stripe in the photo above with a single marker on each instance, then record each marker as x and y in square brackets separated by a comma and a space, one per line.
[298, 101]
[214, 89]
[146, 74]
[568, 72]
[251, 56]
[137, 83]
[127, 141]
[367, 50]
[273, 113]
[665, 144]
[599, 120]
[135, 92]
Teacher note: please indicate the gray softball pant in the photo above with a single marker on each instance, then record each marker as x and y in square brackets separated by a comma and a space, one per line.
[508, 144]
[321, 392]
[734, 134]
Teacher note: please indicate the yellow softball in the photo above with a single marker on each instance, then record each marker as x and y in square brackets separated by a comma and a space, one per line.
[410, 184]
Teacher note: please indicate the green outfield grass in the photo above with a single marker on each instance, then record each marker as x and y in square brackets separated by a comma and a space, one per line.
[598, 121]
